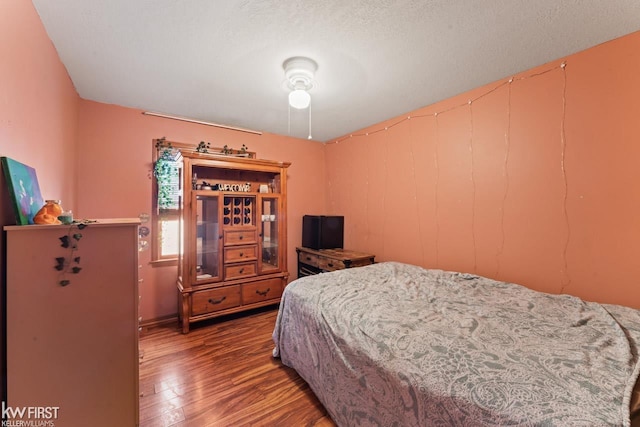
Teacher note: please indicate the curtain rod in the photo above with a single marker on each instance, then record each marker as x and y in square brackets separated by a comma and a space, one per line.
[183, 119]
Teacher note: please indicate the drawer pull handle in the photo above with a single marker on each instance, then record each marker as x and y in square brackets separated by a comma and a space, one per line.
[241, 237]
[330, 265]
[308, 258]
[241, 270]
[217, 301]
[263, 294]
[241, 254]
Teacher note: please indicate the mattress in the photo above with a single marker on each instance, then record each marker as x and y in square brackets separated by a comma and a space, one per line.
[393, 344]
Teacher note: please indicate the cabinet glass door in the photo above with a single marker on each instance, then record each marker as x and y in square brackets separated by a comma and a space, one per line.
[207, 251]
[269, 244]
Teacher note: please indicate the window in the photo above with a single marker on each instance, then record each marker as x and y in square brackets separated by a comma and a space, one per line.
[167, 201]
[168, 242]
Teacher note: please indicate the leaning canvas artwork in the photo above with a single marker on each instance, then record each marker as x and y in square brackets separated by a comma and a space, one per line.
[23, 188]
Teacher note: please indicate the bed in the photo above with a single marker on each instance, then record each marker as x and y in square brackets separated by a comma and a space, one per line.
[393, 344]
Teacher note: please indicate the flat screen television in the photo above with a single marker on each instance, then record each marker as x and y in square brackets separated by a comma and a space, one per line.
[322, 231]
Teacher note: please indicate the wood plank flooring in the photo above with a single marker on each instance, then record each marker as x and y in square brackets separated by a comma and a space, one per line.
[222, 374]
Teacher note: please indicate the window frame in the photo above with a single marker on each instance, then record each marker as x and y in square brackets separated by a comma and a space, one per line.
[157, 258]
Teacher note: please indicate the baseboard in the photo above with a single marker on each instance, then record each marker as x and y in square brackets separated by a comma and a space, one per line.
[145, 325]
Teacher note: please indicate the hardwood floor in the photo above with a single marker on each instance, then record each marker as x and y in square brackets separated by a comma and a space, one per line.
[222, 374]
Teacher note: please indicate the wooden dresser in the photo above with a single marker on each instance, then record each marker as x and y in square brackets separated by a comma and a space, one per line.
[73, 345]
[314, 261]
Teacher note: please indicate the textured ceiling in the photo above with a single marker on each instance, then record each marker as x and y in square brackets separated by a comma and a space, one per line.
[221, 61]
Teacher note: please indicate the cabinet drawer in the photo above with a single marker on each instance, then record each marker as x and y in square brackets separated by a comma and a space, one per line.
[239, 237]
[236, 271]
[361, 262]
[309, 259]
[330, 264]
[211, 300]
[261, 291]
[240, 253]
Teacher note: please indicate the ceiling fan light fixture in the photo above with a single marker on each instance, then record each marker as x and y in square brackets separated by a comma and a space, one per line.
[299, 98]
[299, 72]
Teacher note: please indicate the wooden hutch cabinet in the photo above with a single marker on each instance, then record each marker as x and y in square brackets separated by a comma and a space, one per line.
[234, 235]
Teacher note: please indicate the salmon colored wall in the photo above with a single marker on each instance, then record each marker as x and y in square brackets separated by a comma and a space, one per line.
[115, 179]
[39, 105]
[38, 112]
[534, 182]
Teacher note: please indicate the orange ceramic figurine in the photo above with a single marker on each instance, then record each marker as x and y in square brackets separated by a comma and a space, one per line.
[49, 213]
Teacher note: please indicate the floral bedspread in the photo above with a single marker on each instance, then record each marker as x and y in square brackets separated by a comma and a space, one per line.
[392, 344]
